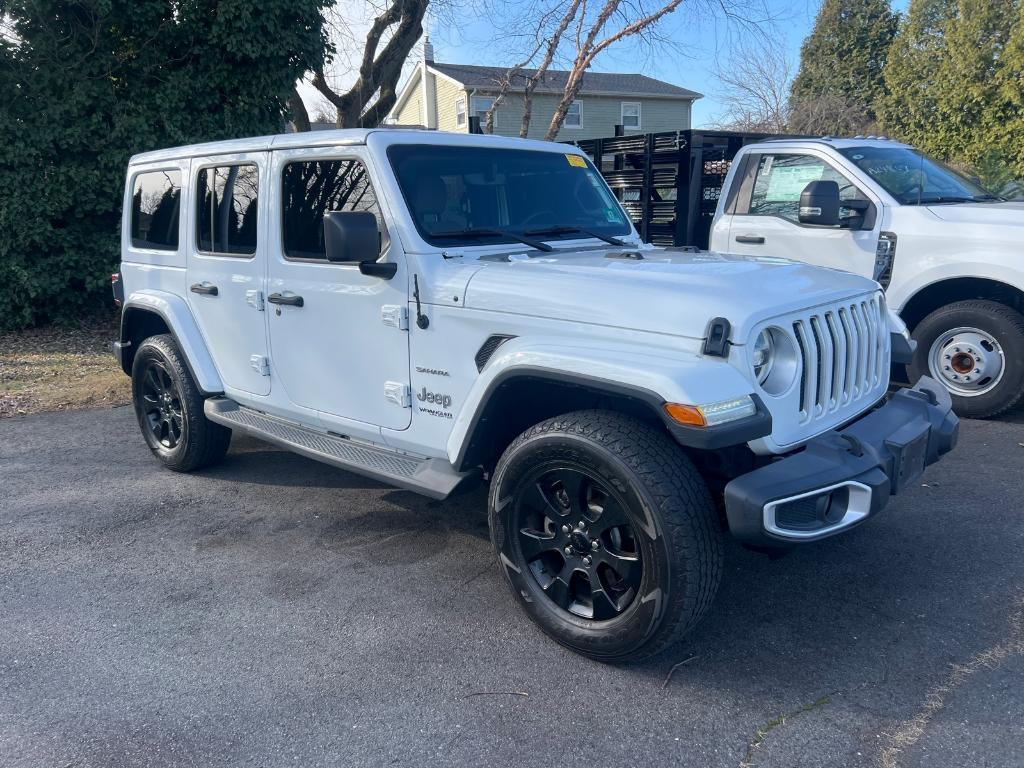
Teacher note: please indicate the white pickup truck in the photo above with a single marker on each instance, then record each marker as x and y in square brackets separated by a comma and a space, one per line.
[949, 254]
[435, 309]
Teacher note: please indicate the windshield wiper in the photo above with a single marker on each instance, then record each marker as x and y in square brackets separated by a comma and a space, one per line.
[945, 199]
[570, 230]
[484, 232]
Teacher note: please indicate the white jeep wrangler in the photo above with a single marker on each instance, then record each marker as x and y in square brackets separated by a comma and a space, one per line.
[429, 309]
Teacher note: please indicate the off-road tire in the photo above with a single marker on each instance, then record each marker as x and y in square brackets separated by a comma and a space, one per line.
[202, 442]
[1005, 325]
[678, 531]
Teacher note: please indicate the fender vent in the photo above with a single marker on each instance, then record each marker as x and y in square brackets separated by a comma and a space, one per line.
[488, 348]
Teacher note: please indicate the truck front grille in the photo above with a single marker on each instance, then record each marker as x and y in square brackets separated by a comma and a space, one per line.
[844, 353]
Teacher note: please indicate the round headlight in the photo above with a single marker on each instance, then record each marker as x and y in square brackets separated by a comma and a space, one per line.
[775, 360]
[764, 355]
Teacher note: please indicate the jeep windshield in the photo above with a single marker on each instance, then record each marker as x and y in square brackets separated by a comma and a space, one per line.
[484, 196]
[913, 178]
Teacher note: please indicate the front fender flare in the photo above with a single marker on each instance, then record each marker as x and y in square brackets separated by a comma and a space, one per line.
[176, 314]
[653, 379]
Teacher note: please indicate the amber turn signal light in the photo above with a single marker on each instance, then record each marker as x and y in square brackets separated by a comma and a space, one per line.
[689, 415]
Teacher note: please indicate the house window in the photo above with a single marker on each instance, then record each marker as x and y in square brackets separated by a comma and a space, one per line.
[480, 106]
[460, 113]
[630, 114]
[574, 116]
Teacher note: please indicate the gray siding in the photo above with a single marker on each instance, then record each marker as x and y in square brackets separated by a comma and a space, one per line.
[600, 115]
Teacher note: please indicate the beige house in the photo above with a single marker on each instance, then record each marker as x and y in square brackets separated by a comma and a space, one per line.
[444, 96]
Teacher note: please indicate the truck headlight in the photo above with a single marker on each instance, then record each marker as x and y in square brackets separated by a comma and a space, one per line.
[763, 355]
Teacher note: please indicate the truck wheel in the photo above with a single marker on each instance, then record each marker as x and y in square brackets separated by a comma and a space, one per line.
[169, 407]
[606, 533]
[976, 349]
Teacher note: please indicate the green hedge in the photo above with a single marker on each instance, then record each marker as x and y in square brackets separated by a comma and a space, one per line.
[87, 84]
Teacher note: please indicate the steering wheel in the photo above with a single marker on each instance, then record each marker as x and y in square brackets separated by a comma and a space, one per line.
[525, 223]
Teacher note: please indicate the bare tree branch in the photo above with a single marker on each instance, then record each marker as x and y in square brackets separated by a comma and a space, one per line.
[549, 55]
[755, 79]
[590, 47]
[394, 31]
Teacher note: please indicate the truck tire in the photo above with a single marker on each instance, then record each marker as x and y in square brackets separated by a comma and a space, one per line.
[606, 533]
[169, 407]
[976, 349]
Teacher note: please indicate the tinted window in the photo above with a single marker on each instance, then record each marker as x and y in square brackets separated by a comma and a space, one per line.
[156, 199]
[227, 205]
[455, 192]
[914, 178]
[781, 178]
[311, 189]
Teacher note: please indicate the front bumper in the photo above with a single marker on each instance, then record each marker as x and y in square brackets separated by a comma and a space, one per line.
[846, 475]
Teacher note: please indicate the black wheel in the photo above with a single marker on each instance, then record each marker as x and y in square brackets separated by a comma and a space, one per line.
[606, 533]
[169, 408]
[976, 350]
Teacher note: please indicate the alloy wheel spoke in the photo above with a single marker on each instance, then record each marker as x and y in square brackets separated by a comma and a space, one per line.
[559, 589]
[604, 606]
[612, 515]
[626, 567]
[572, 488]
[152, 382]
[534, 543]
[539, 500]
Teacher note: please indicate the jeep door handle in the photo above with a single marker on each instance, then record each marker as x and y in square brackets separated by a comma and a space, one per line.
[291, 301]
[204, 288]
[750, 239]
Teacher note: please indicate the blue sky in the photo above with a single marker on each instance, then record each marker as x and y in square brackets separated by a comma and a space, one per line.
[699, 37]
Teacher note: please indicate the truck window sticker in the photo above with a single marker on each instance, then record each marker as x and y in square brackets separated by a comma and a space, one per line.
[785, 183]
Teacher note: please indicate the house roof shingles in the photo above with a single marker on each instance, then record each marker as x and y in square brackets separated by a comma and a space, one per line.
[594, 83]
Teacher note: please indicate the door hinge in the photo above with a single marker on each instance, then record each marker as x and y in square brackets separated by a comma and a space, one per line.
[254, 299]
[260, 364]
[398, 393]
[395, 315]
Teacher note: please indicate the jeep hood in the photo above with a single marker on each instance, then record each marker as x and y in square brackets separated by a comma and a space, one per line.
[668, 292]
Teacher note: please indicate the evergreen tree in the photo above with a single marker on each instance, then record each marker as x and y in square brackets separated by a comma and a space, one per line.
[954, 81]
[841, 66]
[1007, 116]
[86, 84]
[908, 110]
[966, 87]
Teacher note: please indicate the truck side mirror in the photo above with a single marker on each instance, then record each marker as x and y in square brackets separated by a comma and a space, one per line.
[352, 237]
[819, 204]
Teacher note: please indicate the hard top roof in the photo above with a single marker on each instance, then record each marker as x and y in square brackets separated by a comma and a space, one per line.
[345, 137]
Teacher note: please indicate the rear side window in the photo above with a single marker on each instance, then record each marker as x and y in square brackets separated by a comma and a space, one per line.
[227, 209]
[310, 189]
[156, 202]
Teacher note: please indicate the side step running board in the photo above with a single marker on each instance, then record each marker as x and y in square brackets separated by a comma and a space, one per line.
[432, 477]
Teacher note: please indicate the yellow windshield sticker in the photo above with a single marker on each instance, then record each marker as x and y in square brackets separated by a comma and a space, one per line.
[576, 161]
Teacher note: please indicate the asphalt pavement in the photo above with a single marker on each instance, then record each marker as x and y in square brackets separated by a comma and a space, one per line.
[274, 611]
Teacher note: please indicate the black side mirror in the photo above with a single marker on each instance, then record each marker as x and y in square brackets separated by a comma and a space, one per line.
[352, 237]
[819, 204]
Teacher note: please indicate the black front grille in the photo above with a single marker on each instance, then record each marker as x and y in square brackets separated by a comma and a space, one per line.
[799, 515]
